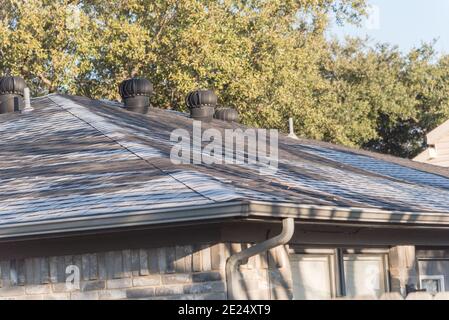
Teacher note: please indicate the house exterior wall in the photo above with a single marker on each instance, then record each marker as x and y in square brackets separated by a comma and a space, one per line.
[438, 154]
[188, 262]
[442, 148]
[193, 272]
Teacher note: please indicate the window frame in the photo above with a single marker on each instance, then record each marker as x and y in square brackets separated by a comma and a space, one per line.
[296, 257]
[440, 278]
[330, 253]
[369, 255]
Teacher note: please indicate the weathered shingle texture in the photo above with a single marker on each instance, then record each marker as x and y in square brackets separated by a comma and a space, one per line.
[72, 157]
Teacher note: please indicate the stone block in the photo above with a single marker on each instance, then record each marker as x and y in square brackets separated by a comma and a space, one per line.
[169, 290]
[92, 285]
[38, 289]
[205, 287]
[87, 295]
[140, 293]
[119, 283]
[206, 276]
[176, 278]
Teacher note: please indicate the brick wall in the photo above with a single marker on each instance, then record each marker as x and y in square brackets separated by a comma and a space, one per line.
[182, 272]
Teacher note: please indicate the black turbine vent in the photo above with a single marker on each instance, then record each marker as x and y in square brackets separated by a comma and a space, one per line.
[136, 94]
[202, 104]
[227, 114]
[11, 94]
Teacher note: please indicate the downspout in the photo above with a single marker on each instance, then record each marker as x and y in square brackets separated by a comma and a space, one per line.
[340, 273]
[234, 261]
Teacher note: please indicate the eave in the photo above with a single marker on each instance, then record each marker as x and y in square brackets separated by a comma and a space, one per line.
[251, 210]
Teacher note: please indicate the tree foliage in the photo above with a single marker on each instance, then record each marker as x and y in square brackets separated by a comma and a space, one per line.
[385, 100]
[269, 59]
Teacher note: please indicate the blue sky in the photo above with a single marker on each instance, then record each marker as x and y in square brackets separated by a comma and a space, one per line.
[406, 23]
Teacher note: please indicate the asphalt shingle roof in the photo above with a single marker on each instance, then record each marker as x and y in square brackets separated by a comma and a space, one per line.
[73, 157]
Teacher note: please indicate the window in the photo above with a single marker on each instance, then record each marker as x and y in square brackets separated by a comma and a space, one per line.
[432, 284]
[321, 274]
[365, 275]
[312, 277]
[433, 274]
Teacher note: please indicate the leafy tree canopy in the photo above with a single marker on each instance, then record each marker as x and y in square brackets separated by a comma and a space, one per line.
[270, 59]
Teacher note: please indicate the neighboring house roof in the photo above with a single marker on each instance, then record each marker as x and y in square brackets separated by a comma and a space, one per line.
[437, 152]
[78, 164]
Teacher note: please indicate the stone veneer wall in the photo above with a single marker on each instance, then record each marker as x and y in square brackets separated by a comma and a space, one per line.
[183, 272]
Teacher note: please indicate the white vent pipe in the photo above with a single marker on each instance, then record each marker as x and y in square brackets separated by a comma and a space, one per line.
[27, 99]
[291, 129]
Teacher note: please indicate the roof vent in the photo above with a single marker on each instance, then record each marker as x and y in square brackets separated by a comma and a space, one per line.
[227, 114]
[202, 104]
[11, 94]
[136, 94]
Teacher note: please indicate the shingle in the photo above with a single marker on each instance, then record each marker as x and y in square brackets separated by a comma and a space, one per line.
[75, 157]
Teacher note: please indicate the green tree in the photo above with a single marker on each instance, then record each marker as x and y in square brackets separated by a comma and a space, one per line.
[45, 42]
[386, 100]
[270, 60]
[260, 56]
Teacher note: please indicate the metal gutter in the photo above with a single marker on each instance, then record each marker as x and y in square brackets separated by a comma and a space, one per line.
[349, 214]
[234, 261]
[254, 210]
[127, 219]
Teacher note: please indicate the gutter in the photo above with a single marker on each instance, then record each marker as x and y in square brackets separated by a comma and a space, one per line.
[187, 214]
[375, 218]
[233, 262]
[347, 215]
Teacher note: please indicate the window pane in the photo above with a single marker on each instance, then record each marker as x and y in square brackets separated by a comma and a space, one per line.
[364, 275]
[431, 285]
[311, 277]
